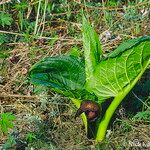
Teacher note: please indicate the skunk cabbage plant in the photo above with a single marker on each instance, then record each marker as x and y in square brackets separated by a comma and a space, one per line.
[92, 80]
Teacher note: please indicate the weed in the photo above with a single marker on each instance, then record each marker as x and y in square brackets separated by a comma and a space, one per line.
[11, 142]
[144, 115]
[30, 137]
[6, 122]
[3, 38]
[5, 19]
[108, 81]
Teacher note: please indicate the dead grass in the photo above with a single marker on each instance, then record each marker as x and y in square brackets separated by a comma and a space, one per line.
[133, 138]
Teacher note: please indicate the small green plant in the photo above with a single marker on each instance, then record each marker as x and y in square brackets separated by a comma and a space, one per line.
[6, 122]
[94, 77]
[11, 142]
[3, 38]
[144, 115]
[30, 137]
[21, 8]
[5, 19]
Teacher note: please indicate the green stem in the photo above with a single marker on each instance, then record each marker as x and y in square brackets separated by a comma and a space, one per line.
[37, 18]
[77, 103]
[107, 117]
[101, 132]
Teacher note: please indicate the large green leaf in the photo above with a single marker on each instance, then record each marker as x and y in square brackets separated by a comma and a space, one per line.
[120, 68]
[107, 77]
[64, 74]
[115, 75]
[92, 49]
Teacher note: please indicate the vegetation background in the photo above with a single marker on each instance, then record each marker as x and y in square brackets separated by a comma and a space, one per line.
[36, 118]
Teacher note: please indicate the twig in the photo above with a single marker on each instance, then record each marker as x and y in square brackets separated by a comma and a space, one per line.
[6, 1]
[39, 37]
[19, 96]
[118, 8]
[37, 18]
[140, 100]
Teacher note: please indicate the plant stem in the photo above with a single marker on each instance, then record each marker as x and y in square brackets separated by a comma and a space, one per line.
[37, 18]
[102, 128]
[77, 103]
[107, 117]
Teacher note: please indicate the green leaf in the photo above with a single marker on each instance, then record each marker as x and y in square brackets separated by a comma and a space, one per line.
[5, 19]
[77, 104]
[128, 45]
[3, 38]
[30, 137]
[64, 74]
[74, 52]
[113, 76]
[3, 55]
[9, 143]
[92, 49]
[6, 122]
[21, 6]
[144, 115]
[120, 68]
